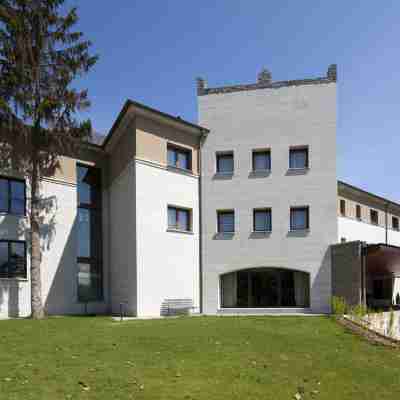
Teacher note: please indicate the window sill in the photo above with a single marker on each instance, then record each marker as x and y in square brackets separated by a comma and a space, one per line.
[14, 279]
[259, 234]
[297, 171]
[4, 213]
[224, 235]
[298, 232]
[180, 231]
[223, 175]
[259, 173]
[180, 170]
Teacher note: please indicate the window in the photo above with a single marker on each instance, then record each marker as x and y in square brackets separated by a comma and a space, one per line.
[179, 218]
[261, 160]
[343, 207]
[179, 157]
[225, 163]
[298, 158]
[358, 211]
[382, 289]
[374, 217]
[12, 196]
[299, 218]
[395, 223]
[89, 257]
[262, 221]
[12, 259]
[226, 221]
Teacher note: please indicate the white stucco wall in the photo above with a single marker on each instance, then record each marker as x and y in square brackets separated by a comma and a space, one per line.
[275, 119]
[15, 294]
[59, 257]
[122, 238]
[167, 262]
[351, 229]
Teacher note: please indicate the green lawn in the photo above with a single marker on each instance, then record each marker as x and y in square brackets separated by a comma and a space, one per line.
[192, 358]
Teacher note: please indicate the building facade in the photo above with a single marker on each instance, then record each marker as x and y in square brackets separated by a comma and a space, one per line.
[243, 216]
[269, 192]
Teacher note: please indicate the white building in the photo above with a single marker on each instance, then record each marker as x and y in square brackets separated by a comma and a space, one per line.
[240, 216]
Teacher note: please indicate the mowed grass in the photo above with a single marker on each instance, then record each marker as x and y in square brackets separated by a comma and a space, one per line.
[192, 358]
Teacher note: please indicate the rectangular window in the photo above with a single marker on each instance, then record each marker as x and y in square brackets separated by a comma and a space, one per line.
[395, 223]
[12, 259]
[358, 211]
[179, 157]
[298, 158]
[180, 219]
[374, 217]
[261, 160]
[262, 220]
[299, 218]
[12, 196]
[343, 207]
[225, 163]
[89, 257]
[226, 221]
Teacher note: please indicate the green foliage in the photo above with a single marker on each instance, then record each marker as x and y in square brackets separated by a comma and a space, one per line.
[40, 57]
[339, 306]
[359, 311]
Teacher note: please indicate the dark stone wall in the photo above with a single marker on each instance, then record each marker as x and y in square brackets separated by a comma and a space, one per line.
[346, 272]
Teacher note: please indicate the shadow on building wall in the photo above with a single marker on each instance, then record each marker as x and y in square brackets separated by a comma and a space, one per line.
[321, 289]
[15, 291]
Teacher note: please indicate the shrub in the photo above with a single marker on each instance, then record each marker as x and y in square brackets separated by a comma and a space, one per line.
[339, 305]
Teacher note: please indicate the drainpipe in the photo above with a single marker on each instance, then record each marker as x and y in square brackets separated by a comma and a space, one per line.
[202, 139]
[386, 223]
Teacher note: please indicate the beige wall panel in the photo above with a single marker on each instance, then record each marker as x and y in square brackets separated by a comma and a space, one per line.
[152, 139]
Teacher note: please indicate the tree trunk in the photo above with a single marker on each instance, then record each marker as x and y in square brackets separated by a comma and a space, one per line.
[36, 254]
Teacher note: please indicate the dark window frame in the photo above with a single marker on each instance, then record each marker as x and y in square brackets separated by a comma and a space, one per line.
[189, 212]
[358, 212]
[372, 213]
[266, 152]
[342, 207]
[9, 243]
[266, 210]
[300, 208]
[180, 150]
[220, 213]
[395, 223]
[225, 154]
[295, 149]
[9, 196]
[95, 211]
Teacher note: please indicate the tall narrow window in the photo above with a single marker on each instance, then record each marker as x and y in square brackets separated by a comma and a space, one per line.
[358, 212]
[179, 157]
[90, 269]
[395, 223]
[299, 218]
[12, 196]
[374, 217]
[262, 220]
[225, 163]
[226, 221]
[343, 207]
[179, 219]
[261, 160]
[298, 158]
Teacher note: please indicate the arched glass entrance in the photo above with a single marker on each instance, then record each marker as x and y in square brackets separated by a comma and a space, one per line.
[265, 288]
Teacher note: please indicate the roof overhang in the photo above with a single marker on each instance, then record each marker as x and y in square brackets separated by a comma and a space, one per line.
[137, 109]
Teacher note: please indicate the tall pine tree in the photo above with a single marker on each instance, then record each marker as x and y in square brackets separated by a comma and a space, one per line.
[40, 56]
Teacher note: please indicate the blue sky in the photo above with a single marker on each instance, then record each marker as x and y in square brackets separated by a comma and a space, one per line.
[151, 51]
